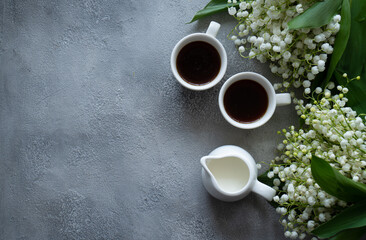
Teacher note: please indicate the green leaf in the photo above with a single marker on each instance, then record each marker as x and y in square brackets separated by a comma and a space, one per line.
[352, 217]
[334, 183]
[357, 95]
[301, 122]
[350, 234]
[214, 6]
[264, 179]
[319, 14]
[340, 43]
[353, 61]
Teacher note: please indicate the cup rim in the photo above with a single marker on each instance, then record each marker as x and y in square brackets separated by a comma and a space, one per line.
[271, 99]
[205, 38]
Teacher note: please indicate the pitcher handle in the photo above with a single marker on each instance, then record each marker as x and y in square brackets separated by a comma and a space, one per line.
[264, 190]
[283, 99]
[213, 29]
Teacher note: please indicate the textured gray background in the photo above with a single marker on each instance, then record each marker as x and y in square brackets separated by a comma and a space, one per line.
[99, 141]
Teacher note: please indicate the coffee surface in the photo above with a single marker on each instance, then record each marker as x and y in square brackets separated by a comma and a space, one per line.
[246, 101]
[198, 63]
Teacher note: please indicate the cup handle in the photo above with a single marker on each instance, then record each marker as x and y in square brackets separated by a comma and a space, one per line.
[264, 190]
[283, 99]
[213, 29]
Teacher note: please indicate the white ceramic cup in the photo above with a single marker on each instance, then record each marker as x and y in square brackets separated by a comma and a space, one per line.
[209, 37]
[273, 99]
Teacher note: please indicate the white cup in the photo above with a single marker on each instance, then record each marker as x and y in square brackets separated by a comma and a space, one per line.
[210, 38]
[273, 99]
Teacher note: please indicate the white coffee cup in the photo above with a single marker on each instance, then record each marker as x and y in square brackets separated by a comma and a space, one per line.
[210, 38]
[273, 99]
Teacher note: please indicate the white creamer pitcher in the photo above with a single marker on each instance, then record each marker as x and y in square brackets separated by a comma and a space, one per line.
[229, 173]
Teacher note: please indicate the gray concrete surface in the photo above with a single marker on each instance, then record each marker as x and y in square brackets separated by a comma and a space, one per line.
[99, 141]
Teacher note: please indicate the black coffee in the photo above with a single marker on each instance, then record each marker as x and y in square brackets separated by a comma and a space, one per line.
[246, 101]
[198, 63]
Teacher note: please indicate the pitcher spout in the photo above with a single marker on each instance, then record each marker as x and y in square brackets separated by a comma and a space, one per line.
[206, 161]
[204, 164]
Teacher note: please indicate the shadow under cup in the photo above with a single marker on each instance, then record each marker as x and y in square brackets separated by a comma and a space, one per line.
[198, 61]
